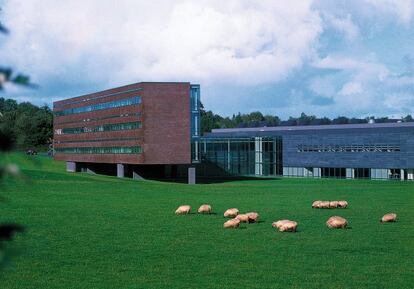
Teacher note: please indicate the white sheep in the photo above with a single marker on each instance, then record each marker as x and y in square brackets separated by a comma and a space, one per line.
[183, 210]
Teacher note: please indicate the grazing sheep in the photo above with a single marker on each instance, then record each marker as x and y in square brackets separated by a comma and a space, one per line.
[231, 213]
[204, 209]
[279, 223]
[391, 217]
[336, 222]
[231, 224]
[333, 204]
[243, 218]
[324, 205]
[253, 217]
[316, 204]
[183, 210]
[285, 225]
[342, 204]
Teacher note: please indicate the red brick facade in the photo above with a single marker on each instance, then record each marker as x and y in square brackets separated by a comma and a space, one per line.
[164, 137]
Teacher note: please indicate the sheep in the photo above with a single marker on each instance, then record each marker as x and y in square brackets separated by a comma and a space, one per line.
[290, 226]
[285, 225]
[204, 209]
[232, 224]
[324, 205]
[333, 204]
[279, 223]
[253, 217]
[342, 204]
[183, 210]
[231, 213]
[391, 217]
[243, 218]
[316, 204]
[336, 222]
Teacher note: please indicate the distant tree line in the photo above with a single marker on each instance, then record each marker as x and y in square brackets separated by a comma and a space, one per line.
[210, 120]
[26, 125]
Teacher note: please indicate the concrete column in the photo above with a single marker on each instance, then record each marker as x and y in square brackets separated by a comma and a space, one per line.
[191, 176]
[120, 170]
[71, 167]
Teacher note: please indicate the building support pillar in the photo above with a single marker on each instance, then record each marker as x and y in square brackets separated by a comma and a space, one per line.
[71, 167]
[120, 170]
[191, 176]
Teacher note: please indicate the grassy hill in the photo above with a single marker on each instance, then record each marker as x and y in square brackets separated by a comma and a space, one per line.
[88, 231]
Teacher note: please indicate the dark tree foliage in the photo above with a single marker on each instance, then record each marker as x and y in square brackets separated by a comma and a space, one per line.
[26, 125]
[210, 120]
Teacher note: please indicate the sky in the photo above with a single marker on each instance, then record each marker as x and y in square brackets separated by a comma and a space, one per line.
[324, 58]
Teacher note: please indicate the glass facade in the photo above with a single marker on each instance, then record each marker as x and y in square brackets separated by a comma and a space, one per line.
[100, 106]
[243, 156]
[102, 118]
[100, 150]
[101, 128]
[195, 121]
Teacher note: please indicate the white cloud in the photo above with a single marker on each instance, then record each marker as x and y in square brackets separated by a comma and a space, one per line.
[403, 9]
[123, 41]
[71, 47]
[344, 25]
[351, 88]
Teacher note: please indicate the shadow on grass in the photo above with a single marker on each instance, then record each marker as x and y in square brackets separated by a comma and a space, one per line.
[213, 180]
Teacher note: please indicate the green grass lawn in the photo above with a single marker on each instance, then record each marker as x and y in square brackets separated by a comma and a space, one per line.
[86, 231]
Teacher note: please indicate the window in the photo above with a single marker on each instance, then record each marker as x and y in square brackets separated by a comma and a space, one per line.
[100, 106]
[101, 118]
[101, 128]
[100, 150]
[388, 148]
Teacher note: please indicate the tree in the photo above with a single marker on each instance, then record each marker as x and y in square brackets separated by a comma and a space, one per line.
[6, 143]
[408, 118]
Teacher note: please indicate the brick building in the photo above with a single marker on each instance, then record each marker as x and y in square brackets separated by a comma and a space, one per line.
[125, 128]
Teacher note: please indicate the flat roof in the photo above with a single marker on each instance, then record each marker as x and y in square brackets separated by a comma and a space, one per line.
[315, 127]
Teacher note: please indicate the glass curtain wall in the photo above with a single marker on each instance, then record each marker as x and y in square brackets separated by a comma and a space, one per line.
[243, 156]
[195, 121]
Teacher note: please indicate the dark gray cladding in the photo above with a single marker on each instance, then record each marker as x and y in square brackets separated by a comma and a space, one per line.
[385, 145]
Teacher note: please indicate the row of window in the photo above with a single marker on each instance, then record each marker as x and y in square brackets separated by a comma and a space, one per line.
[349, 148]
[100, 128]
[76, 100]
[98, 140]
[100, 106]
[101, 118]
[100, 150]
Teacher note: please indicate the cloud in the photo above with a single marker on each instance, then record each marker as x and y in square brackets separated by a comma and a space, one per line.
[320, 57]
[203, 41]
[344, 25]
[403, 9]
